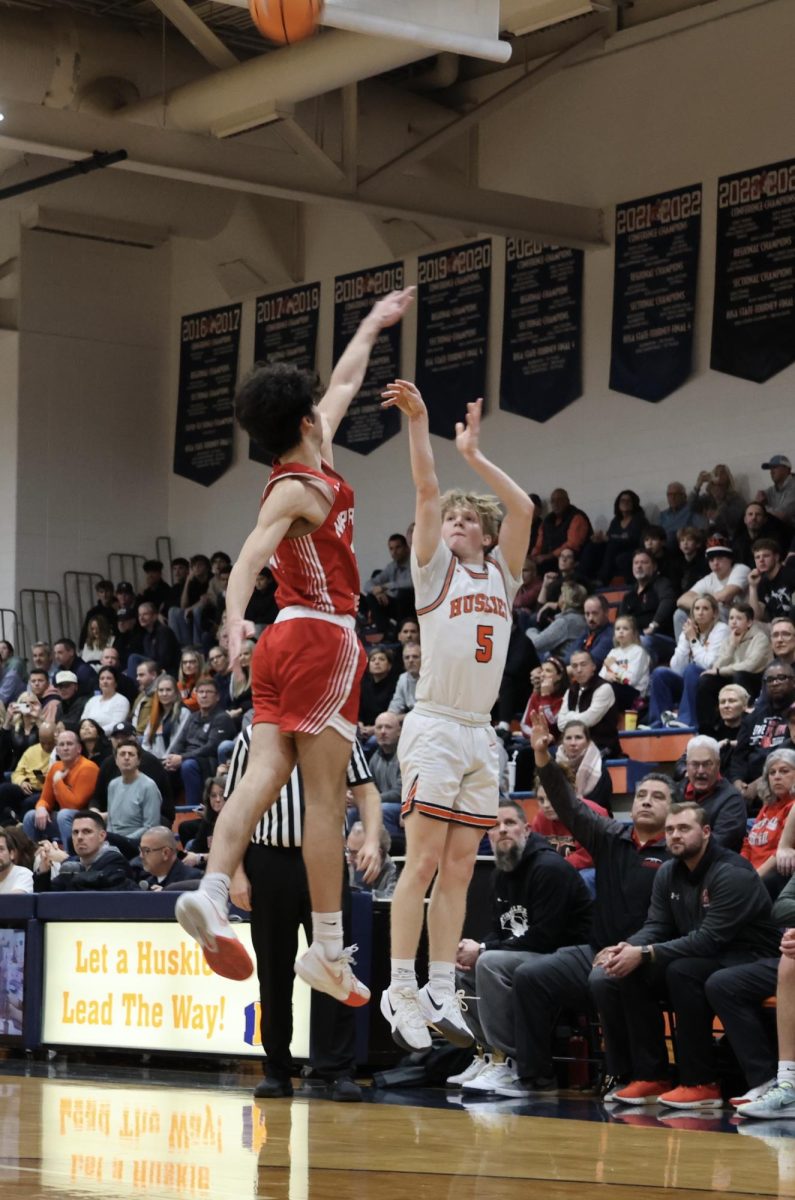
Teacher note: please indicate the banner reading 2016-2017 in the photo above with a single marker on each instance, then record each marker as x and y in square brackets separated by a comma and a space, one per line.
[367, 425]
[654, 293]
[542, 329]
[753, 321]
[452, 331]
[285, 330]
[209, 347]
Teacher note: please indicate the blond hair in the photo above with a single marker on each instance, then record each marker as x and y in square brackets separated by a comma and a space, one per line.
[486, 508]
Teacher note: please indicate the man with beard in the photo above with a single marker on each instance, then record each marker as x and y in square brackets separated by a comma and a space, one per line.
[538, 904]
[708, 911]
[598, 638]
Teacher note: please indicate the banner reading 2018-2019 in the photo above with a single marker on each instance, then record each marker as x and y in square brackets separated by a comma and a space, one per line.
[209, 347]
[452, 331]
[367, 424]
[285, 330]
[753, 320]
[654, 293]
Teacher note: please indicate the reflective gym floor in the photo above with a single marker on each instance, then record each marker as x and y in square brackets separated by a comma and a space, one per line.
[78, 1130]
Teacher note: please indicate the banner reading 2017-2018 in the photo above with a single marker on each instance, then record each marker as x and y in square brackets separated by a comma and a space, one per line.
[367, 424]
[654, 293]
[452, 331]
[209, 347]
[753, 321]
[542, 329]
[285, 330]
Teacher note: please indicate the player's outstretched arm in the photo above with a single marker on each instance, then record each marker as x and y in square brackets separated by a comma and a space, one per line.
[517, 523]
[290, 500]
[348, 375]
[428, 518]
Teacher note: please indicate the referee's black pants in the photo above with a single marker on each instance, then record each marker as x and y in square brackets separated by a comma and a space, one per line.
[280, 904]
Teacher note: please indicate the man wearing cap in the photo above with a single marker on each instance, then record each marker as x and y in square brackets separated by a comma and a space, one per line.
[148, 765]
[727, 581]
[67, 659]
[71, 703]
[780, 496]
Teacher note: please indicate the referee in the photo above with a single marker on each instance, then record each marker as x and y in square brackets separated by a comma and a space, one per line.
[272, 883]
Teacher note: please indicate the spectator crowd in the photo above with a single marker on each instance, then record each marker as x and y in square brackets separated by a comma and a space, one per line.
[682, 622]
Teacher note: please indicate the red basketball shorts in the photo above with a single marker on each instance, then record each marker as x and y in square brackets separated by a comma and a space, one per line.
[305, 677]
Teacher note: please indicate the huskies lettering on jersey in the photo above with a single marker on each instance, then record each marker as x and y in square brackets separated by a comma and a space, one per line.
[343, 520]
[515, 920]
[479, 603]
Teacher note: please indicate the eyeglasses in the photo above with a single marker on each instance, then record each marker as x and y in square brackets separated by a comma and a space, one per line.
[152, 849]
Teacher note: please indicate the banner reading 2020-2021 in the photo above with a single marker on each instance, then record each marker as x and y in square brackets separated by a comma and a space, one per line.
[285, 330]
[209, 349]
[753, 319]
[654, 293]
[542, 329]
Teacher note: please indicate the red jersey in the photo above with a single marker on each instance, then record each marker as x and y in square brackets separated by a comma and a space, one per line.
[318, 570]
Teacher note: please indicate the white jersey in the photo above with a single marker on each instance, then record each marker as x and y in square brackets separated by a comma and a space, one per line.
[465, 623]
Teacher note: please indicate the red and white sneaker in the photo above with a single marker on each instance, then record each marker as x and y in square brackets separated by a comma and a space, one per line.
[700, 1095]
[754, 1093]
[335, 978]
[199, 917]
[642, 1091]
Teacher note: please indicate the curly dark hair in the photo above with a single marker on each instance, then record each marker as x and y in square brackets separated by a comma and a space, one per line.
[271, 403]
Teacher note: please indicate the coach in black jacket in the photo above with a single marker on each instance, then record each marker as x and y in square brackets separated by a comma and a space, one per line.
[708, 910]
[538, 904]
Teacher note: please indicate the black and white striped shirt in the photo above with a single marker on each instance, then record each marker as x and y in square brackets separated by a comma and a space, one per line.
[281, 825]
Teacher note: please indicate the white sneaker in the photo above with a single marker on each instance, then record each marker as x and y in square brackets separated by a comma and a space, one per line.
[754, 1093]
[333, 977]
[494, 1076]
[199, 917]
[400, 1007]
[479, 1062]
[446, 1016]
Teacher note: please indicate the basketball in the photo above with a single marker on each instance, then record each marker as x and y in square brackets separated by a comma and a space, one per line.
[285, 21]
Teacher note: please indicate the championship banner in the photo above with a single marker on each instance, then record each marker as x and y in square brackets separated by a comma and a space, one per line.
[654, 293]
[285, 330]
[209, 346]
[542, 329]
[366, 425]
[130, 984]
[452, 331]
[753, 319]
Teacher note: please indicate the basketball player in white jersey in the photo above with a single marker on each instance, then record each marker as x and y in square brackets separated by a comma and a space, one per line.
[466, 568]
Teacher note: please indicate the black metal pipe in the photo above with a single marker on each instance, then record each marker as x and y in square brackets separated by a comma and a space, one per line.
[97, 161]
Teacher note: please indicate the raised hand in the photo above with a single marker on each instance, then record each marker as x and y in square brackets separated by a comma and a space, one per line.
[404, 395]
[391, 308]
[540, 737]
[467, 436]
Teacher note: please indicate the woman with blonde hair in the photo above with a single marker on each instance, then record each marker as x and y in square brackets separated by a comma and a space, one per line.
[166, 719]
[696, 650]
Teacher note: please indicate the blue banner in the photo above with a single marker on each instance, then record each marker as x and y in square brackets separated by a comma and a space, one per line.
[654, 293]
[209, 349]
[285, 330]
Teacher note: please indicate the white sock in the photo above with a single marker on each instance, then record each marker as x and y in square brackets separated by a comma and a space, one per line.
[403, 973]
[216, 886]
[327, 930]
[441, 978]
[786, 1072]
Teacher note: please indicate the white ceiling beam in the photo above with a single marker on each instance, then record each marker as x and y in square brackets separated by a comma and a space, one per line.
[200, 36]
[243, 166]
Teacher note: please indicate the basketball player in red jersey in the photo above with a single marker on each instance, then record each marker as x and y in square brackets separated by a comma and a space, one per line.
[307, 665]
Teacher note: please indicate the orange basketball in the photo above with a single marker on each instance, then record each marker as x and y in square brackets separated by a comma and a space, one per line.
[285, 20]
